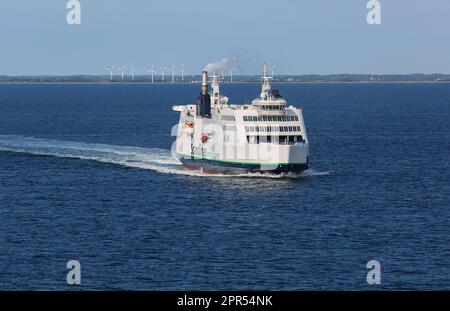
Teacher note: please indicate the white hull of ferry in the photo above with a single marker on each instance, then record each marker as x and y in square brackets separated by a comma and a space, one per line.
[265, 136]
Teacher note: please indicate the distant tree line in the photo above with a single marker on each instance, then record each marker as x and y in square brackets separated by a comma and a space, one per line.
[239, 78]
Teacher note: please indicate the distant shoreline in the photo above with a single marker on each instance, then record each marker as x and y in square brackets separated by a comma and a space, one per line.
[226, 82]
[195, 79]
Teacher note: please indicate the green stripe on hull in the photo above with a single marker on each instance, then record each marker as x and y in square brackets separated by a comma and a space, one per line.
[231, 162]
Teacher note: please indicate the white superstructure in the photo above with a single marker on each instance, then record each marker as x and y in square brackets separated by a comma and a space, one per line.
[218, 137]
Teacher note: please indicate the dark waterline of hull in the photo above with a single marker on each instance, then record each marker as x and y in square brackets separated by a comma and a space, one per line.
[208, 166]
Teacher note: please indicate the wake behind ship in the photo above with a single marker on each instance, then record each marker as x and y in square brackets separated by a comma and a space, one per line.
[215, 136]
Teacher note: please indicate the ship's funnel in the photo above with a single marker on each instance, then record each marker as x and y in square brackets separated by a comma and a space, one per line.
[204, 100]
[204, 82]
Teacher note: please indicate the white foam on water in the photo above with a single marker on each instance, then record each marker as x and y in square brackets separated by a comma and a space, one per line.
[312, 172]
[159, 160]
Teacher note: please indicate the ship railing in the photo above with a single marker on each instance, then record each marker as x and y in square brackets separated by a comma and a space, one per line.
[291, 143]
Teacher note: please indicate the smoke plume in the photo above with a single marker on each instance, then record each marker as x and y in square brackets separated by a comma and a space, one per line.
[225, 63]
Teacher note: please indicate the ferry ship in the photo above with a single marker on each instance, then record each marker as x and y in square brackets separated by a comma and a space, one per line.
[266, 135]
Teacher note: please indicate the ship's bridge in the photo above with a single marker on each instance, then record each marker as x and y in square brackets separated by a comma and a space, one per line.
[273, 104]
[269, 101]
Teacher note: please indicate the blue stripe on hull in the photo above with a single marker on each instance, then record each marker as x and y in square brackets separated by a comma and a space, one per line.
[233, 168]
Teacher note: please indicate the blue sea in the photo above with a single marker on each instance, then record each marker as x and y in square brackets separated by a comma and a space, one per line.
[86, 174]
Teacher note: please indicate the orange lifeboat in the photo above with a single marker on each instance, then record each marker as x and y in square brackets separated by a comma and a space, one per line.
[188, 125]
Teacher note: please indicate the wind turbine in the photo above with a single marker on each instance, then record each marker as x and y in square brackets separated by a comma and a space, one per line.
[162, 72]
[182, 72]
[122, 70]
[272, 69]
[152, 71]
[132, 71]
[174, 71]
[231, 74]
[110, 70]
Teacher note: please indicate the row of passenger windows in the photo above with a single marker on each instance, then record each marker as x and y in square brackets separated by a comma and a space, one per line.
[270, 118]
[272, 128]
[271, 107]
[281, 140]
[229, 128]
[227, 118]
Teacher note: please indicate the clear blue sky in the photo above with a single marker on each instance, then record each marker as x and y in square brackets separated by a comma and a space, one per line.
[299, 36]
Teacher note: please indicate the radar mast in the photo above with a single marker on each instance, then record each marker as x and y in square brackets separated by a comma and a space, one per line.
[266, 83]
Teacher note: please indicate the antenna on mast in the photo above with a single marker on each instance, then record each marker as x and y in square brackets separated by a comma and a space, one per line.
[266, 82]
